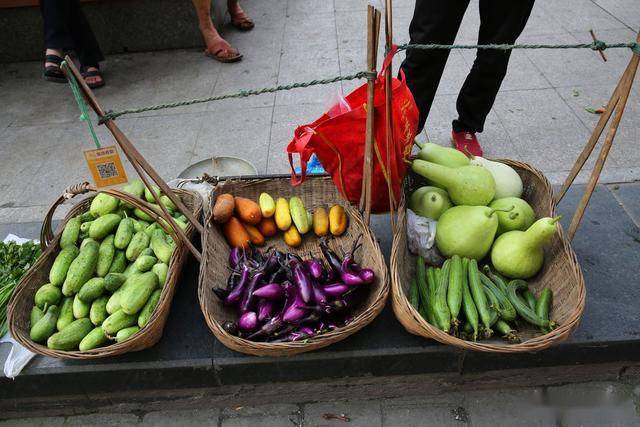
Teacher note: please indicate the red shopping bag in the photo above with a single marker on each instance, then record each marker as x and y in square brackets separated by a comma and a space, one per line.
[338, 139]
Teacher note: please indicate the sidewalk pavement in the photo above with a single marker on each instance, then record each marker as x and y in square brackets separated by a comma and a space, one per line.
[539, 116]
[588, 404]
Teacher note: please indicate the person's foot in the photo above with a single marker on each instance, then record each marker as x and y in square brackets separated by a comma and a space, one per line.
[52, 61]
[239, 17]
[220, 50]
[466, 142]
[92, 76]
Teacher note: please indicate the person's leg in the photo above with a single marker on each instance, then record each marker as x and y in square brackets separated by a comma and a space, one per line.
[239, 17]
[86, 45]
[501, 21]
[434, 21]
[55, 15]
[217, 47]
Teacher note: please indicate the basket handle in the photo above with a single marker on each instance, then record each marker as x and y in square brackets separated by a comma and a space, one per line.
[615, 107]
[166, 222]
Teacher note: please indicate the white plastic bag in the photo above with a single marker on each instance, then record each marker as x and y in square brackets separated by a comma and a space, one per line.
[421, 235]
[203, 188]
[18, 356]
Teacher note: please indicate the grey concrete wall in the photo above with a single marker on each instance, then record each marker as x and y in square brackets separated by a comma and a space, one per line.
[120, 26]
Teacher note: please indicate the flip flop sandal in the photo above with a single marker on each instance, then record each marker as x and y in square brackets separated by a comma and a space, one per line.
[242, 22]
[94, 73]
[223, 56]
[52, 73]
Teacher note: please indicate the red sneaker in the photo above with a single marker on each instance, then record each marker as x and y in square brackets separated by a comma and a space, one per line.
[466, 141]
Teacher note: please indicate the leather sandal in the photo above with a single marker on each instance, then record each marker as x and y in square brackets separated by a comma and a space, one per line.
[94, 73]
[242, 22]
[53, 73]
[225, 55]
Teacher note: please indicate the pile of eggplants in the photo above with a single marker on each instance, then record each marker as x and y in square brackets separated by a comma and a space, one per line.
[281, 297]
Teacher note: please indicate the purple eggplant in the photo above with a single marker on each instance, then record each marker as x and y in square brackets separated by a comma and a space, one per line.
[293, 312]
[235, 295]
[235, 256]
[336, 289]
[314, 267]
[319, 295]
[247, 298]
[268, 328]
[331, 257]
[248, 321]
[230, 327]
[270, 291]
[221, 293]
[367, 275]
[302, 281]
[265, 309]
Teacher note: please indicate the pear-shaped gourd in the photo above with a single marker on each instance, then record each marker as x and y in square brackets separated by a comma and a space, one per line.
[445, 156]
[432, 204]
[508, 182]
[466, 185]
[520, 218]
[421, 191]
[519, 254]
[467, 231]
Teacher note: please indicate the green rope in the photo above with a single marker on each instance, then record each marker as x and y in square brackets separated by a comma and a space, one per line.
[241, 94]
[595, 45]
[84, 111]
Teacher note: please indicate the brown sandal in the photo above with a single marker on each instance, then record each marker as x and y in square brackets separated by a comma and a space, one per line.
[242, 22]
[225, 55]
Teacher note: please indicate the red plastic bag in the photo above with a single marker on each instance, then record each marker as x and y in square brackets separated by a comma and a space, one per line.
[338, 139]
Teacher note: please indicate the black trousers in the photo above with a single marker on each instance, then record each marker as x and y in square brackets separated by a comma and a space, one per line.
[438, 21]
[65, 27]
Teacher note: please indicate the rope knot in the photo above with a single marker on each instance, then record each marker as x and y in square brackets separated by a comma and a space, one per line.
[635, 48]
[107, 116]
[75, 189]
[598, 45]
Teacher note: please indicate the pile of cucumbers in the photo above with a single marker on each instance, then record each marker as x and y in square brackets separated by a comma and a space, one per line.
[471, 304]
[106, 281]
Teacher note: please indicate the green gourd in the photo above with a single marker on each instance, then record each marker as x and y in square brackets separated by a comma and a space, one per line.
[103, 204]
[467, 231]
[520, 218]
[432, 205]
[416, 196]
[520, 254]
[445, 156]
[466, 185]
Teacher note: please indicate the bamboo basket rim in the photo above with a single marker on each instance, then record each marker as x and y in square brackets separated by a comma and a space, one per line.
[414, 323]
[148, 335]
[291, 348]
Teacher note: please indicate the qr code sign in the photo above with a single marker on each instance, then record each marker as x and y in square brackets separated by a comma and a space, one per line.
[105, 166]
[107, 170]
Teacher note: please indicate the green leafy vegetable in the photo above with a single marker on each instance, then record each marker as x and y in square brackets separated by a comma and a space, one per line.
[15, 260]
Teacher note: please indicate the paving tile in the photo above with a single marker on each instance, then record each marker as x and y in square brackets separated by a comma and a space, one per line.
[570, 67]
[297, 8]
[625, 10]
[103, 420]
[628, 195]
[34, 422]
[267, 415]
[547, 132]
[442, 410]
[307, 32]
[623, 151]
[360, 414]
[241, 133]
[285, 120]
[507, 408]
[582, 15]
[184, 418]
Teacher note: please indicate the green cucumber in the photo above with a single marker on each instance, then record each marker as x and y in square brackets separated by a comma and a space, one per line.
[103, 226]
[137, 291]
[98, 311]
[94, 288]
[80, 308]
[477, 292]
[46, 326]
[149, 196]
[36, 314]
[139, 242]
[468, 306]
[70, 233]
[119, 262]
[47, 294]
[142, 215]
[113, 281]
[126, 333]
[69, 338]
[86, 217]
[145, 262]
[454, 290]
[124, 233]
[66, 313]
[161, 269]
[103, 204]
[61, 265]
[113, 304]
[82, 268]
[117, 321]
[106, 254]
[161, 247]
[94, 339]
[149, 308]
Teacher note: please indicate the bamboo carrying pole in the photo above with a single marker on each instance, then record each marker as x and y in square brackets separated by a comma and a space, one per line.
[615, 107]
[388, 92]
[142, 167]
[373, 29]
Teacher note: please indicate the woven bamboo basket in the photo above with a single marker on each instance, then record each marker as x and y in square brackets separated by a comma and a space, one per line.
[19, 308]
[561, 273]
[315, 192]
